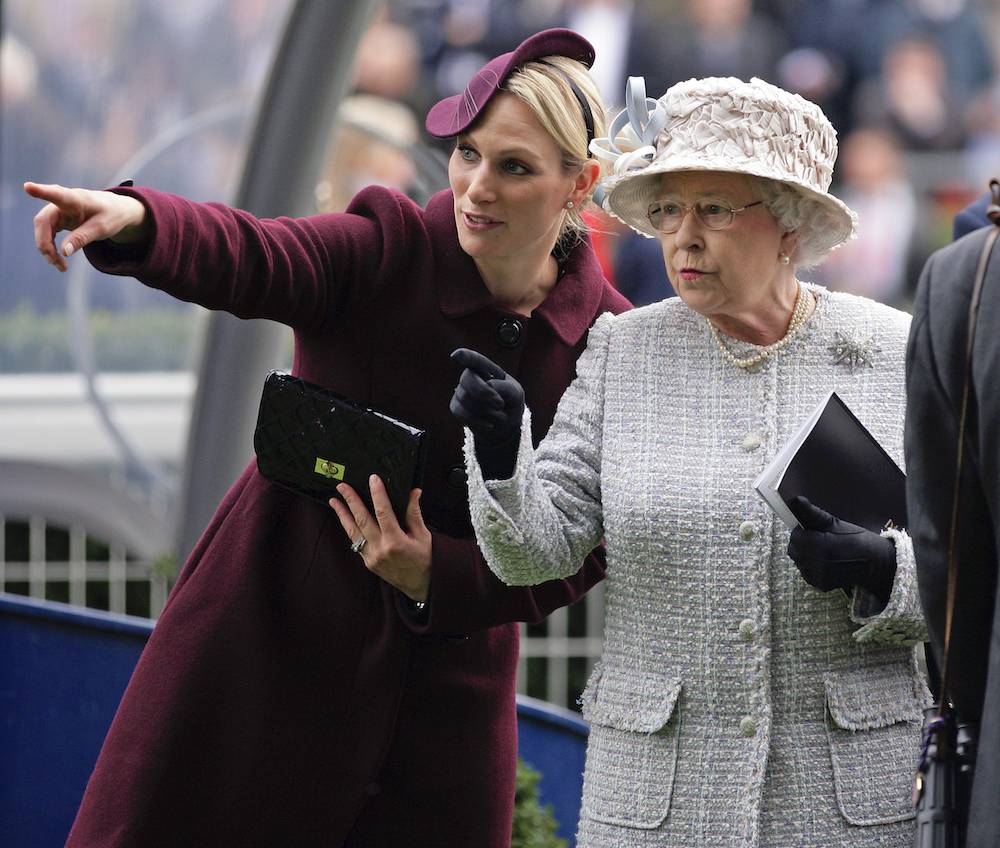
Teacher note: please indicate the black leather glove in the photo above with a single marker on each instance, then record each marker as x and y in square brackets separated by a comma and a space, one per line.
[834, 554]
[490, 403]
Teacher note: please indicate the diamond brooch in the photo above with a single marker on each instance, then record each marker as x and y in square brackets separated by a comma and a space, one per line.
[853, 352]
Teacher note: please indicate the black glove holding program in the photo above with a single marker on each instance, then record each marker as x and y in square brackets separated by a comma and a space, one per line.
[834, 554]
[490, 403]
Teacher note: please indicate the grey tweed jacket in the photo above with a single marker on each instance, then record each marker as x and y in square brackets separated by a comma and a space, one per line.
[733, 705]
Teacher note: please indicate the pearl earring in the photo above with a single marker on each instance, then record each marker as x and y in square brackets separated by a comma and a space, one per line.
[569, 204]
[784, 258]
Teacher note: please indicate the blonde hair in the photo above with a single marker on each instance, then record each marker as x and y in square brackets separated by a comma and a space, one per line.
[543, 86]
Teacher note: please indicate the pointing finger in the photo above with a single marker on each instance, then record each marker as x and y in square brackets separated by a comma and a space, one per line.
[475, 361]
[52, 192]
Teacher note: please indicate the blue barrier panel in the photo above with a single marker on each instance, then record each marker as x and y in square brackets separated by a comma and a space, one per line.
[62, 674]
[553, 741]
[61, 677]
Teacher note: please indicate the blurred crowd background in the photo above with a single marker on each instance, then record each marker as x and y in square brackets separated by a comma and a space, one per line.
[96, 90]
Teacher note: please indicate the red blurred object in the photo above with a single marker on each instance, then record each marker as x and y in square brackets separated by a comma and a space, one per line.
[602, 235]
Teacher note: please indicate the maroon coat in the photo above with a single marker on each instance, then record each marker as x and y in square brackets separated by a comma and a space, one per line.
[285, 698]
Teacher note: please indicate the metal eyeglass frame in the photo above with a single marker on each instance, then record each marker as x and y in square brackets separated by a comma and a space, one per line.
[658, 204]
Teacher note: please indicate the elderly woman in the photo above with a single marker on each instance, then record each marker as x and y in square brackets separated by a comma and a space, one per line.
[738, 701]
[341, 680]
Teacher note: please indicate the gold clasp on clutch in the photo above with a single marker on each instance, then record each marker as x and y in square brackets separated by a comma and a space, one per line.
[326, 468]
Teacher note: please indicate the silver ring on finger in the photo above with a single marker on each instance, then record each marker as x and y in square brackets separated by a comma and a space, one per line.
[358, 544]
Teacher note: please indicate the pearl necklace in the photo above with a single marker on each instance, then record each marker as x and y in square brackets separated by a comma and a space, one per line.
[798, 319]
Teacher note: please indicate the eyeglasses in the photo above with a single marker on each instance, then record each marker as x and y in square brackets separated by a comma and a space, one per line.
[667, 216]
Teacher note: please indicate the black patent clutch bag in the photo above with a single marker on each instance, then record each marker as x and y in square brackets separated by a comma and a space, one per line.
[309, 439]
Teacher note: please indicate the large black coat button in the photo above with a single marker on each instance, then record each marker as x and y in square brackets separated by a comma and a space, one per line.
[509, 332]
[457, 478]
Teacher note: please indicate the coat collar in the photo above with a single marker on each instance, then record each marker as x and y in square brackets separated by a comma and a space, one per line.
[570, 308]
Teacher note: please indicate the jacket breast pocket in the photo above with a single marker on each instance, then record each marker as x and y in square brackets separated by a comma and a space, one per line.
[632, 750]
[874, 718]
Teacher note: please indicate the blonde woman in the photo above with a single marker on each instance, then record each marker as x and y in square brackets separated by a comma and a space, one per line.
[740, 700]
[322, 679]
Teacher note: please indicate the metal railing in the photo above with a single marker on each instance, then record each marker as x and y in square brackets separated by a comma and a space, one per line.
[48, 562]
[557, 655]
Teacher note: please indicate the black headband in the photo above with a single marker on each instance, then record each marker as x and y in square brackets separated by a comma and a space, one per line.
[588, 116]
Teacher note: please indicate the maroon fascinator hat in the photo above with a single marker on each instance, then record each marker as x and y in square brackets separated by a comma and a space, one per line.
[452, 115]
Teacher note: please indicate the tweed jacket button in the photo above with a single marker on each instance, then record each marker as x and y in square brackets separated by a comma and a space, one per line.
[748, 727]
[748, 530]
[751, 442]
[509, 332]
[747, 630]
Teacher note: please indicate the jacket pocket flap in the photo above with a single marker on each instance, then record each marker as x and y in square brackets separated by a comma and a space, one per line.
[633, 701]
[866, 698]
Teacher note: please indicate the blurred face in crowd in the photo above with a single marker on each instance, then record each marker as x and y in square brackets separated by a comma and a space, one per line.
[870, 159]
[510, 185]
[724, 272]
[723, 15]
[915, 62]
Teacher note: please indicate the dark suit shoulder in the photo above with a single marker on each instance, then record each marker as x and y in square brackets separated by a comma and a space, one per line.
[952, 268]
[941, 307]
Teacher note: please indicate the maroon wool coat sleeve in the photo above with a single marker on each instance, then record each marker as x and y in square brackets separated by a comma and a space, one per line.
[297, 271]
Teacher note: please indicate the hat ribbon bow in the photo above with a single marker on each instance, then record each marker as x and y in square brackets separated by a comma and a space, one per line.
[630, 142]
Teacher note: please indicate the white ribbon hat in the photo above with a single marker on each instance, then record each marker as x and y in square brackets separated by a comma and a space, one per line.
[719, 124]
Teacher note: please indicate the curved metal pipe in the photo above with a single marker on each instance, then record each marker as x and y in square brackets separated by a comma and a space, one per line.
[310, 74]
